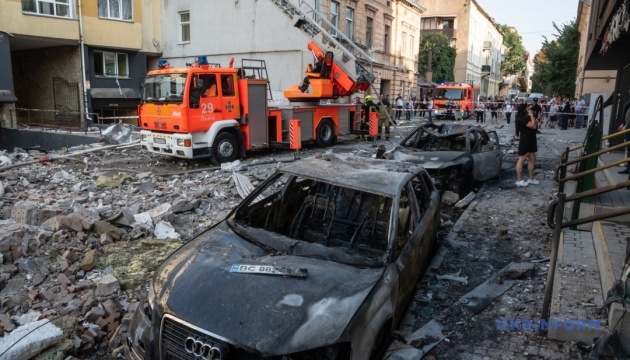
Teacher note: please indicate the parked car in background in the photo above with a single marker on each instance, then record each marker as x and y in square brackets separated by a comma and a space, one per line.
[456, 156]
[319, 262]
[522, 96]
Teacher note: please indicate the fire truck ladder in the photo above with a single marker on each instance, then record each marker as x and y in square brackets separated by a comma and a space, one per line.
[321, 31]
[256, 69]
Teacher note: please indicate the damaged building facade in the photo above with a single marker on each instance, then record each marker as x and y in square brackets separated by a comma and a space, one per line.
[88, 57]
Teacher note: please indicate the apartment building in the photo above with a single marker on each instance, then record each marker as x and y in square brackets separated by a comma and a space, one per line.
[386, 30]
[72, 60]
[475, 35]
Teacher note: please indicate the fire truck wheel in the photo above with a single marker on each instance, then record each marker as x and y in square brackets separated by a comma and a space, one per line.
[225, 148]
[326, 133]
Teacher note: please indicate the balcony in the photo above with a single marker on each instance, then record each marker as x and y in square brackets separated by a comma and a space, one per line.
[487, 45]
[449, 33]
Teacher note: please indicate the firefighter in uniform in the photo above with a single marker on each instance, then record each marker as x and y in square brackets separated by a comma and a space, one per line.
[368, 107]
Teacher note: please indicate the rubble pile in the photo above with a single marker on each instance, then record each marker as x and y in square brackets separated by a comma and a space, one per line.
[77, 244]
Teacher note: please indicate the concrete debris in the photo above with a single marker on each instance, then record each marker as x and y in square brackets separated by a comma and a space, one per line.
[164, 230]
[519, 270]
[231, 166]
[118, 134]
[466, 200]
[112, 181]
[449, 198]
[5, 161]
[29, 340]
[27, 318]
[62, 176]
[107, 285]
[454, 277]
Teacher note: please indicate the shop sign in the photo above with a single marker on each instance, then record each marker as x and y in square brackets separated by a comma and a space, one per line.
[619, 24]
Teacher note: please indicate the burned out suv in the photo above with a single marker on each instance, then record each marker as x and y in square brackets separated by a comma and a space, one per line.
[456, 156]
[319, 262]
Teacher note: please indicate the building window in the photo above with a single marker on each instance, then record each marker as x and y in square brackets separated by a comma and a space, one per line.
[184, 26]
[334, 17]
[111, 64]
[350, 23]
[403, 50]
[386, 47]
[368, 33]
[447, 24]
[115, 9]
[60, 8]
[411, 46]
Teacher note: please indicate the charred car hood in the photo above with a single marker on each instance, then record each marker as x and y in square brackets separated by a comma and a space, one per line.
[271, 314]
[430, 160]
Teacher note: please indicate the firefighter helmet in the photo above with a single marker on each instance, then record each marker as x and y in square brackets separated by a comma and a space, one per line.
[368, 98]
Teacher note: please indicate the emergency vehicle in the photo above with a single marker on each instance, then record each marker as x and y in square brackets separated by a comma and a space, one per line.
[462, 96]
[209, 111]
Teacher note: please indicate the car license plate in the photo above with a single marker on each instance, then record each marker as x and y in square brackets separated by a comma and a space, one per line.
[159, 141]
[268, 270]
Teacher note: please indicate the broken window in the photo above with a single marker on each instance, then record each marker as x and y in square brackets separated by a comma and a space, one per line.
[354, 221]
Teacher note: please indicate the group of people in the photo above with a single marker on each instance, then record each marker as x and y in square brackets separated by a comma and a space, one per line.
[413, 106]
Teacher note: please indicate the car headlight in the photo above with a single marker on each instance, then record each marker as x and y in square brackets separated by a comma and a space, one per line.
[144, 138]
[332, 352]
[180, 142]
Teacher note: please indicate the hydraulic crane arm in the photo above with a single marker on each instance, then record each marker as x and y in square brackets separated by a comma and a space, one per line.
[343, 72]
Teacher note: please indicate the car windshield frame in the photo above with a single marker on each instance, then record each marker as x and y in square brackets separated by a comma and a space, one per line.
[165, 88]
[241, 221]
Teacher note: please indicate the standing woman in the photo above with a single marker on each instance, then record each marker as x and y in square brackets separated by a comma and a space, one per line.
[508, 111]
[527, 147]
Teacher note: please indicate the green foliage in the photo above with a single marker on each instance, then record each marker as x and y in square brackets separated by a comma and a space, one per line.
[556, 64]
[443, 55]
[515, 52]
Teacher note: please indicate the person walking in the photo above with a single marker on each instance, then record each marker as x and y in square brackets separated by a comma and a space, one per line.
[508, 111]
[409, 109]
[430, 109]
[527, 147]
[553, 114]
[493, 111]
[479, 110]
[579, 109]
[566, 110]
[384, 109]
[521, 110]
[399, 106]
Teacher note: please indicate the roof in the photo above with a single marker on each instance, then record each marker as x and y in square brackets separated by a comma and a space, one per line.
[384, 177]
[422, 82]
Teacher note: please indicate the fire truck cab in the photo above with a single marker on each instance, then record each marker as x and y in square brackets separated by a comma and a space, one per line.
[452, 97]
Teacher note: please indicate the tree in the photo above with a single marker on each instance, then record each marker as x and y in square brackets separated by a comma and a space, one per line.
[514, 63]
[555, 66]
[443, 57]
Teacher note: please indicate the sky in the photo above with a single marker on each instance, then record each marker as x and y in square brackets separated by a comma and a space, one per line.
[532, 18]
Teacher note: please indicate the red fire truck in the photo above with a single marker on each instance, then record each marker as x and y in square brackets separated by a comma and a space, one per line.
[452, 97]
[222, 112]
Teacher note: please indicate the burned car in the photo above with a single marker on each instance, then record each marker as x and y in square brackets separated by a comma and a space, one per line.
[457, 156]
[319, 262]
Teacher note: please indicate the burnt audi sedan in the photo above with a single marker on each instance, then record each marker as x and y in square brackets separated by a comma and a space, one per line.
[457, 156]
[319, 262]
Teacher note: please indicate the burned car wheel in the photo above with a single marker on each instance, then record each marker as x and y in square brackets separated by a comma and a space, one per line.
[299, 269]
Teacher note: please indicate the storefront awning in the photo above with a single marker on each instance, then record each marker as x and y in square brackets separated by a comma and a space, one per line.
[114, 93]
[7, 96]
[422, 82]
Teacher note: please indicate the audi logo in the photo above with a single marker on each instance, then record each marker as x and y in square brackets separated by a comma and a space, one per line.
[204, 350]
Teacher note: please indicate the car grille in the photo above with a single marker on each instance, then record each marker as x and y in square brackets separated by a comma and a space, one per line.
[174, 335]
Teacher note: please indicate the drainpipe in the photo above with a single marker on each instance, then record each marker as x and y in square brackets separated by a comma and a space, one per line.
[81, 44]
